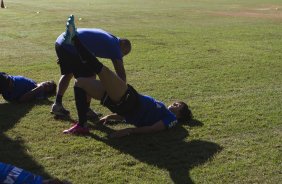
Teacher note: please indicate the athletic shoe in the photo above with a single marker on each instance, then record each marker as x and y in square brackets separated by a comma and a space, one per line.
[77, 129]
[70, 30]
[92, 115]
[59, 110]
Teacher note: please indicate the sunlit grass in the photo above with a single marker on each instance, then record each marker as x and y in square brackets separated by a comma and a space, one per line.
[222, 57]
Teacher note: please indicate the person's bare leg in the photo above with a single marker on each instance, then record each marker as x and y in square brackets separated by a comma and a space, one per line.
[114, 85]
[57, 108]
[88, 96]
[64, 83]
[93, 88]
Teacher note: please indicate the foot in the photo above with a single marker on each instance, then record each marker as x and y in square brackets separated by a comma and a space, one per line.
[59, 110]
[92, 115]
[77, 130]
[70, 30]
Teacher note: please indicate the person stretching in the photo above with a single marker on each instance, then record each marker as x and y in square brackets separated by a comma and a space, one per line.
[144, 112]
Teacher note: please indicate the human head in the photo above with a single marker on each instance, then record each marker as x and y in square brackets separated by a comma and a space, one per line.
[50, 88]
[181, 111]
[4, 82]
[125, 46]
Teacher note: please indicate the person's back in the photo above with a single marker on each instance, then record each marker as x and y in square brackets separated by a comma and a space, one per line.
[12, 175]
[20, 86]
[101, 43]
[150, 111]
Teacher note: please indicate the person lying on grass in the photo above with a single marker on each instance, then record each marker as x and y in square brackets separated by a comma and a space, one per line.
[146, 113]
[23, 89]
[12, 174]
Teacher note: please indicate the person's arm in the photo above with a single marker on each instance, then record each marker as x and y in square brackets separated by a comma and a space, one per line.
[32, 94]
[111, 117]
[119, 68]
[55, 181]
[156, 127]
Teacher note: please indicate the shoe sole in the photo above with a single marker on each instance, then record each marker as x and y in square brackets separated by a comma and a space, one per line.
[59, 114]
[70, 30]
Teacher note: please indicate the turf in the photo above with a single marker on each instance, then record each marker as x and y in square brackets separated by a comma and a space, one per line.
[223, 57]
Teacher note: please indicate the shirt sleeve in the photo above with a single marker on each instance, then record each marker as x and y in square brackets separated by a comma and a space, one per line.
[116, 50]
[116, 53]
[169, 120]
[12, 174]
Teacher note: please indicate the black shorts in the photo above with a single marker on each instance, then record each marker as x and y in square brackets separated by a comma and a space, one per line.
[128, 104]
[72, 63]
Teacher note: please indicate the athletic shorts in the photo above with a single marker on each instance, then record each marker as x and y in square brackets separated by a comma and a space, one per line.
[72, 63]
[128, 104]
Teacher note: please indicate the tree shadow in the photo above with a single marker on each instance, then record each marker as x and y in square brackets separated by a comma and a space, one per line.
[12, 151]
[167, 150]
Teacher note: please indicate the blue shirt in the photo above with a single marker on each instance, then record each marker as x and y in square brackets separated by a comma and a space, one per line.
[99, 42]
[149, 112]
[21, 85]
[13, 175]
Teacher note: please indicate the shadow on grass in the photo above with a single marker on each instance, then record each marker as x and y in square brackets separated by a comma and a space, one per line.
[166, 150]
[12, 151]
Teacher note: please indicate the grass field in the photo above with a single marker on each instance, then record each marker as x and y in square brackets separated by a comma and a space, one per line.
[223, 57]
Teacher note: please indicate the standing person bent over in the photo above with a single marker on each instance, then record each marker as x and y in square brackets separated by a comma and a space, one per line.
[99, 42]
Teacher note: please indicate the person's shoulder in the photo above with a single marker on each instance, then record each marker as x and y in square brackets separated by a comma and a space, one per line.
[5, 170]
[169, 119]
[18, 77]
[23, 80]
[90, 30]
[59, 40]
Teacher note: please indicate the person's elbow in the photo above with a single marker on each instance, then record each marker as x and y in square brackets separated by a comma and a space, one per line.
[157, 127]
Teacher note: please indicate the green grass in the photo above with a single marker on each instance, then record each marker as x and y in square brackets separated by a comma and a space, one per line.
[223, 57]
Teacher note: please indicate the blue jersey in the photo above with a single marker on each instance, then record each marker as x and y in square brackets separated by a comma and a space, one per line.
[13, 175]
[99, 42]
[149, 112]
[21, 85]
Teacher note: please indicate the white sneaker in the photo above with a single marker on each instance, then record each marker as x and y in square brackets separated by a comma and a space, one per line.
[59, 110]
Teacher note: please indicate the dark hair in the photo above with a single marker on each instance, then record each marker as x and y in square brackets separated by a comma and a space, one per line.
[4, 82]
[125, 46]
[53, 91]
[185, 114]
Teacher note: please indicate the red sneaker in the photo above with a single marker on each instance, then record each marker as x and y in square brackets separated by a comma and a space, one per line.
[77, 129]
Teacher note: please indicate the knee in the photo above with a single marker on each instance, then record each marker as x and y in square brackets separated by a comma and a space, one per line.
[78, 82]
[66, 78]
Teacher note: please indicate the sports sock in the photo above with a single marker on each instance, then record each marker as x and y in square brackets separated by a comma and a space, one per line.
[59, 99]
[87, 56]
[81, 105]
